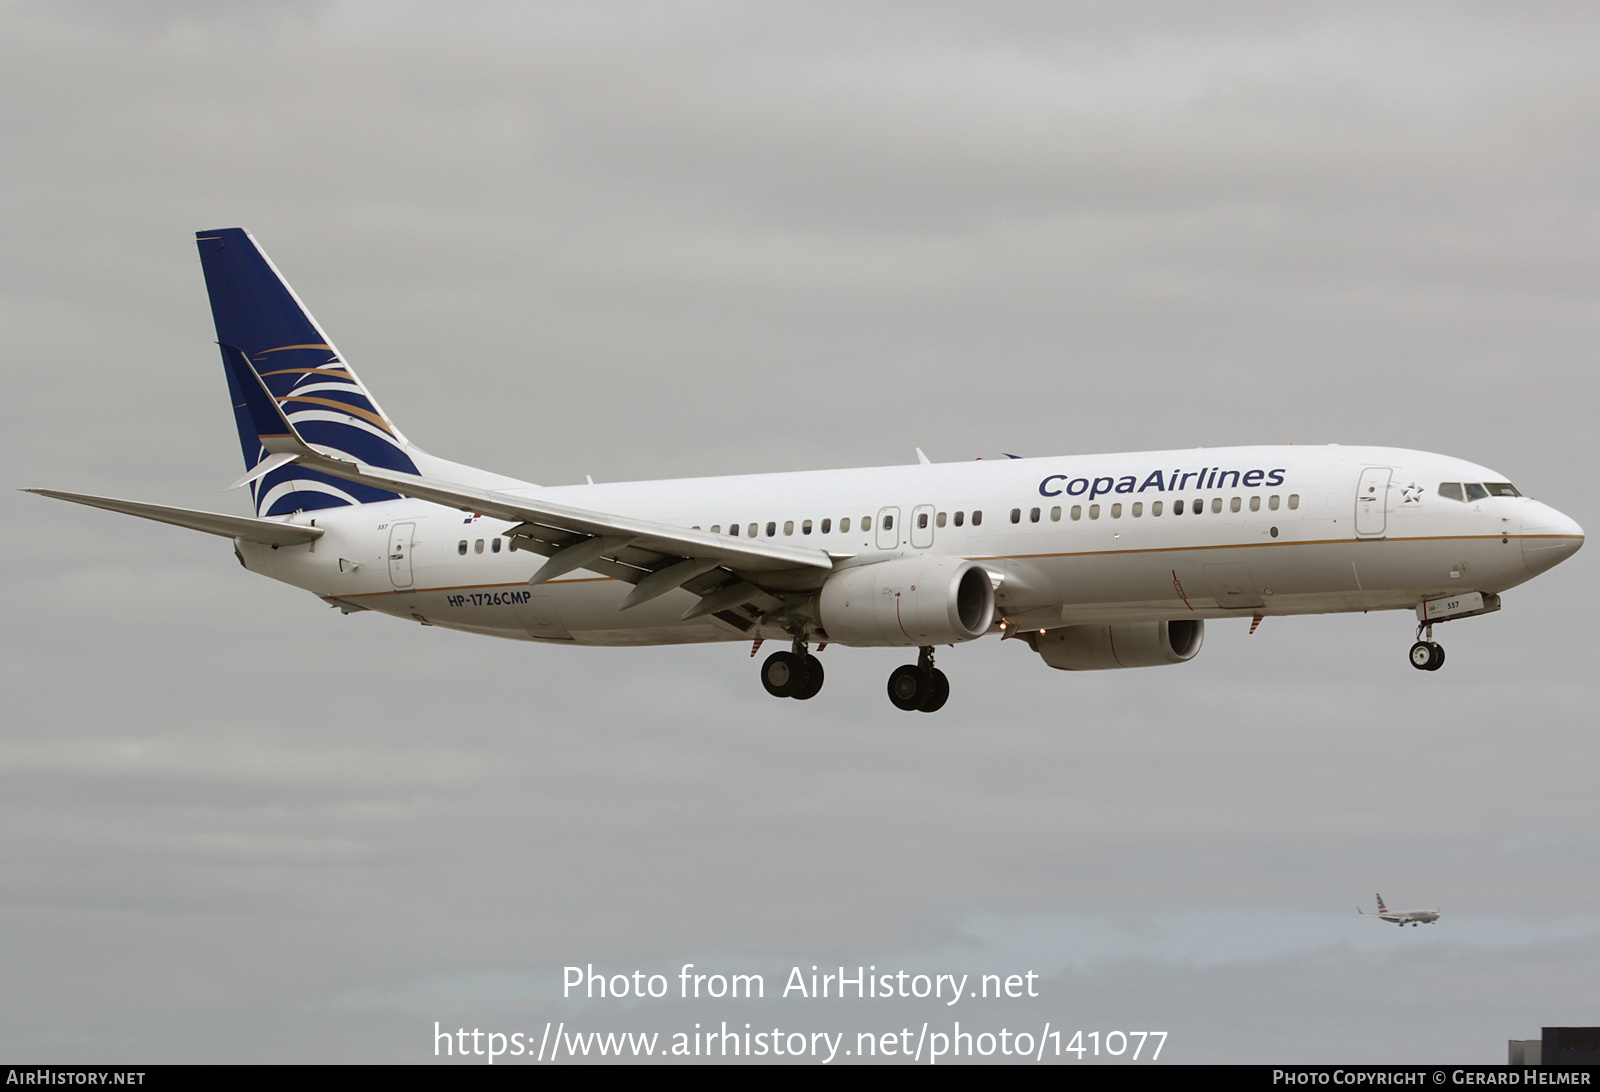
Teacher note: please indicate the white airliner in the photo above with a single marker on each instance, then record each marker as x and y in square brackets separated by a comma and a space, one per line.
[1091, 561]
[1401, 917]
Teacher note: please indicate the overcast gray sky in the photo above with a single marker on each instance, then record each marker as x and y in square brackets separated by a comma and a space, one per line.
[648, 240]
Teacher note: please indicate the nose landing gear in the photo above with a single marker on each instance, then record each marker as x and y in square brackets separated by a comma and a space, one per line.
[920, 686]
[1425, 654]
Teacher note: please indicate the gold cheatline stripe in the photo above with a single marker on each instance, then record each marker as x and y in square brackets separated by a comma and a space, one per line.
[1258, 545]
[470, 587]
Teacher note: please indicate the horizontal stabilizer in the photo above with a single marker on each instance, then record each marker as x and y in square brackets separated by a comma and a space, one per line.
[265, 531]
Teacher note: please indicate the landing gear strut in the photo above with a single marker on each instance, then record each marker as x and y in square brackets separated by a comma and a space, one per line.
[1425, 654]
[920, 686]
[793, 674]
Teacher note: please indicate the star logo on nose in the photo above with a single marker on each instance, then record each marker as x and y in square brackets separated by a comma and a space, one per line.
[1411, 494]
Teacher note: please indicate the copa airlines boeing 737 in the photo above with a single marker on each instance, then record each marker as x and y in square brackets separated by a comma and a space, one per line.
[1092, 561]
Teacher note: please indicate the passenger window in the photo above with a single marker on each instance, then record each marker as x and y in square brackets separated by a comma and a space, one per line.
[1016, 515]
[939, 520]
[844, 526]
[866, 523]
[960, 517]
[1451, 491]
[805, 527]
[1475, 492]
[752, 529]
[716, 528]
[977, 516]
[1094, 511]
[1116, 511]
[1155, 508]
[1138, 509]
[827, 526]
[494, 546]
[477, 547]
[888, 523]
[772, 528]
[1198, 507]
[1055, 514]
[461, 547]
[1255, 504]
[1272, 502]
[1216, 506]
[1294, 501]
[788, 526]
[1235, 504]
[922, 521]
[1033, 515]
[1177, 508]
[1077, 511]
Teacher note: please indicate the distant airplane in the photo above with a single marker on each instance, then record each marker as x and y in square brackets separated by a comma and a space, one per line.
[1089, 561]
[1402, 917]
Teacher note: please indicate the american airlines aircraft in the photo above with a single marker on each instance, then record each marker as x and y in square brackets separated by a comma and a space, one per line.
[1091, 561]
[1402, 917]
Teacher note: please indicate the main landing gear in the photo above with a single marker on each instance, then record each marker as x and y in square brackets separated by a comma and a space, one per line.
[1425, 654]
[920, 686]
[792, 674]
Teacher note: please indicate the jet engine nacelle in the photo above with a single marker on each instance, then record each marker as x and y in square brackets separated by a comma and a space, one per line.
[1126, 644]
[924, 600]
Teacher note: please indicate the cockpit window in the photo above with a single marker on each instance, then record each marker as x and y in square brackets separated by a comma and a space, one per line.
[1472, 491]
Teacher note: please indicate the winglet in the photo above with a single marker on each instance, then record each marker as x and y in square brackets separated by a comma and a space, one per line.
[272, 426]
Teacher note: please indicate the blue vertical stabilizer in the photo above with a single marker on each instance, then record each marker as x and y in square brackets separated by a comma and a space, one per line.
[262, 327]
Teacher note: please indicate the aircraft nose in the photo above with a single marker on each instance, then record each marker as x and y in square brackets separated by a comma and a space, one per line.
[1548, 537]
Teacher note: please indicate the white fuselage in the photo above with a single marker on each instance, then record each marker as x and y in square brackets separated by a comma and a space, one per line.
[1280, 530]
[1409, 917]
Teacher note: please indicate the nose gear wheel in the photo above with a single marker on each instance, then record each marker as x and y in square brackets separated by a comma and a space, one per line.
[1426, 654]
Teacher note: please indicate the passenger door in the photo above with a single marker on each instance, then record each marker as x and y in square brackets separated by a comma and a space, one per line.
[922, 526]
[400, 554]
[1372, 502]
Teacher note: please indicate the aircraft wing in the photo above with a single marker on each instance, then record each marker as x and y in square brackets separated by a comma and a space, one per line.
[266, 531]
[549, 523]
[655, 557]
